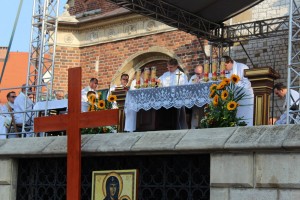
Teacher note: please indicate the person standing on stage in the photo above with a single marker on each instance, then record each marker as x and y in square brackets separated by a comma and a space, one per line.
[246, 107]
[173, 76]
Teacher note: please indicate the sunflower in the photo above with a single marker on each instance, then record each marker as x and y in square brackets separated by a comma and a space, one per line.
[101, 104]
[212, 94]
[112, 98]
[91, 108]
[92, 99]
[221, 86]
[224, 95]
[235, 78]
[226, 81]
[213, 87]
[216, 100]
[231, 105]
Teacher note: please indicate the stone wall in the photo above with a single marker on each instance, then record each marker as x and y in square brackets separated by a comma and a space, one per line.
[8, 178]
[260, 163]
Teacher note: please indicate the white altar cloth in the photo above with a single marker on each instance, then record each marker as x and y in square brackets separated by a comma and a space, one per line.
[167, 97]
[55, 104]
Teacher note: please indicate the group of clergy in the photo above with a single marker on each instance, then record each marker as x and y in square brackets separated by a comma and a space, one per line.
[174, 76]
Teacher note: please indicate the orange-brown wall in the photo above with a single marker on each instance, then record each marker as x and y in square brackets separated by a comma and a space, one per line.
[15, 73]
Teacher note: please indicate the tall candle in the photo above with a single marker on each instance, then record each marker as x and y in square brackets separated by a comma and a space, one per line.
[206, 71]
[138, 78]
[214, 69]
[222, 68]
[153, 76]
[146, 76]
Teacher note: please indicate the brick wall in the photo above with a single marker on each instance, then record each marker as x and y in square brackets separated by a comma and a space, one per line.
[87, 5]
[112, 55]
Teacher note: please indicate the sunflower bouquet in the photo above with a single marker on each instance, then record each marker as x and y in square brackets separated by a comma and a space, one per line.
[222, 110]
[99, 102]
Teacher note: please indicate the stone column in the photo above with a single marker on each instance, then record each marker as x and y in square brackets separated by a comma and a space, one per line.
[262, 80]
[8, 179]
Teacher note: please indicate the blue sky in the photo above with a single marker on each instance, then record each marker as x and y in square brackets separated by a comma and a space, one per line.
[8, 12]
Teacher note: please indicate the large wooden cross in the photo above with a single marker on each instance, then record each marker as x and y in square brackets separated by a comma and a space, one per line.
[72, 122]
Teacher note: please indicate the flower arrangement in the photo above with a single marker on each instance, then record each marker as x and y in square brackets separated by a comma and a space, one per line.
[222, 110]
[100, 103]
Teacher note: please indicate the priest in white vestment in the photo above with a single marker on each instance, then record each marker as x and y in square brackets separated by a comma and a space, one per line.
[197, 78]
[246, 108]
[91, 87]
[175, 77]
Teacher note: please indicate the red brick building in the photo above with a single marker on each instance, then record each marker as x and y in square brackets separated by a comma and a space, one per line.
[106, 40]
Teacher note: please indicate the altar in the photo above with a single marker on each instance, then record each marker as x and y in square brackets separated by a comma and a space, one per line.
[153, 99]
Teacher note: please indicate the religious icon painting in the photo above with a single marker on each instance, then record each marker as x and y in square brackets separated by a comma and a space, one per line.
[114, 185]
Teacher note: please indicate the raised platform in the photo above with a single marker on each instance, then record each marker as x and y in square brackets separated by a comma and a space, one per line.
[261, 138]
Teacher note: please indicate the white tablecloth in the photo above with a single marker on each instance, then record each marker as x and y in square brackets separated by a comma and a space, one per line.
[55, 104]
[167, 97]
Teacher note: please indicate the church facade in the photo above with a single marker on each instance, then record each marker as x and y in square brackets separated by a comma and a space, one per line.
[107, 40]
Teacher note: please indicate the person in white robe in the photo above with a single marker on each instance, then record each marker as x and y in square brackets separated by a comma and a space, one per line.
[91, 87]
[124, 82]
[281, 91]
[197, 78]
[21, 111]
[246, 108]
[175, 77]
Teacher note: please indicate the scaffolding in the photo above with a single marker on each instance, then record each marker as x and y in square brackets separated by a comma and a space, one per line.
[293, 79]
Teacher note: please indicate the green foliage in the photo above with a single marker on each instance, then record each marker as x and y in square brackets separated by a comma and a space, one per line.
[222, 110]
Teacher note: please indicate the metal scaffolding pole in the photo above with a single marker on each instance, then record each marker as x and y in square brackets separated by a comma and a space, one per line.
[42, 50]
[293, 79]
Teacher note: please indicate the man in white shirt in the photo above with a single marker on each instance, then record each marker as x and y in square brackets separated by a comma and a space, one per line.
[280, 90]
[91, 87]
[246, 108]
[7, 118]
[173, 76]
[19, 107]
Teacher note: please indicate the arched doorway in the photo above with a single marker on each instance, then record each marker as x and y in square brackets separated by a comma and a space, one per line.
[155, 56]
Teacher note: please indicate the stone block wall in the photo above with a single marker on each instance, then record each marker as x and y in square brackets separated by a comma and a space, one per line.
[8, 179]
[259, 176]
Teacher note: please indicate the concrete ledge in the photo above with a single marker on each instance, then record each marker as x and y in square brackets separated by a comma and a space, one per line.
[239, 139]
[210, 139]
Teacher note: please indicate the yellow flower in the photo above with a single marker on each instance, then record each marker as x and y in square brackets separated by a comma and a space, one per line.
[112, 98]
[235, 78]
[212, 93]
[224, 95]
[216, 100]
[101, 104]
[91, 108]
[92, 99]
[213, 87]
[231, 105]
[221, 86]
[226, 81]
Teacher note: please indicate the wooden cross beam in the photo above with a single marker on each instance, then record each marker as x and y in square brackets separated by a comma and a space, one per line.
[72, 122]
